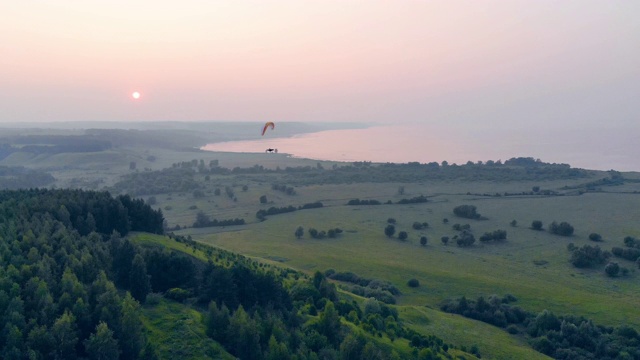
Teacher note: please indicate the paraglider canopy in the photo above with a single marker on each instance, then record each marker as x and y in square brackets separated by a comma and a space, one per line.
[268, 125]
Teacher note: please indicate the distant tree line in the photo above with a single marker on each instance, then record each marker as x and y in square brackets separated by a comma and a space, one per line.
[561, 337]
[363, 202]
[262, 213]
[331, 233]
[18, 177]
[496, 235]
[284, 188]
[378, 289]
[203, 220]
[174, 179]
[413, 200]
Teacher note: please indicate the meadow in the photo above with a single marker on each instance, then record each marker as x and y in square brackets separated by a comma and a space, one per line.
[531, 265]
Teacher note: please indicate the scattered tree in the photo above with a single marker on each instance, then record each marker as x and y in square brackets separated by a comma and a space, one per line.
[595, 237]
[465, 239]
[445, 240]
[466, 211]
[263, 199]
[389, 230]
[513, 223]
[413, 283]
[423, 240]
[536, 225]
[402, 235]
[391, 220]
[612, 269]
[299, 232]
[562, 229]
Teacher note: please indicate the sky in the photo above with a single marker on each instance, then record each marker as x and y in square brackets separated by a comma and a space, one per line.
[511, 63]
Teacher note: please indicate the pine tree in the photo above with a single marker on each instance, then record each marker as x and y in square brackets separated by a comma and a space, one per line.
[101, 345]
[139, 280]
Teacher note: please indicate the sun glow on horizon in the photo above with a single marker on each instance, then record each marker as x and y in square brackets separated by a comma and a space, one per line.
[135, 95]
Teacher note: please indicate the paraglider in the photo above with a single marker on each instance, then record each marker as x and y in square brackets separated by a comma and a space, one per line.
[269, 124]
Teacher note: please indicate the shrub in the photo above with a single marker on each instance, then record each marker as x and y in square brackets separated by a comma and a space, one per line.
[465, 239]
[391, 220]
[414, 283]
[612, 269]
[389, 230]
[402, 235]
[466, 211]
[562, 229]
[177, 294]
[595, 237]
[445, 240]
[536, 225]
[423, 240]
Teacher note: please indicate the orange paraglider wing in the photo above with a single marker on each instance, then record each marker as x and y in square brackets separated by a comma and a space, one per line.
[267, 125]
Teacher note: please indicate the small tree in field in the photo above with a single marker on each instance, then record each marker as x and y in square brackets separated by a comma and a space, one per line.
[595, 237]
[536, 225]
[389, 230]
[612, 269]
[299, 232]
[445, 240]
[402, 235]
[423, 241]
[263, 199]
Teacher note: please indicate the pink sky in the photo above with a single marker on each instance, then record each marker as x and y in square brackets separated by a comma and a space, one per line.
[465, 63]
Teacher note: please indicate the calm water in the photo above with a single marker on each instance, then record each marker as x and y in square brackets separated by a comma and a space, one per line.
[601, 149]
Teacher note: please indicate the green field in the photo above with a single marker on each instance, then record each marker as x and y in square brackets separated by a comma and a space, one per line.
[531, 265]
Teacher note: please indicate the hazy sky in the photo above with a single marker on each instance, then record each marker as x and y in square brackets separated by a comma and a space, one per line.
[505, 63]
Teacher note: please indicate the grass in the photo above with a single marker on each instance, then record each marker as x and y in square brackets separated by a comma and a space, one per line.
[531, 265]
[180, 332]
[449, 271]
[492, 342]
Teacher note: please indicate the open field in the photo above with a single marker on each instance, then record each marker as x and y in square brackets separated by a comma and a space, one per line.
[531, 265]
[450, 271]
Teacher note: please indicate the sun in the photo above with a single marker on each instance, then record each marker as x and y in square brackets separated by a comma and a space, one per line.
[135, 95]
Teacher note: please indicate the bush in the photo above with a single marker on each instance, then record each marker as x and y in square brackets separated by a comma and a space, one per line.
[402, 235]
[423, 240]
[389, 230]
[612, 269]
[177, 294]
[263, 198]
[465, 239]
[562, 229]
[587, 256]
[414, 283]
[466, 211]
[391, 220]
[595, 237]
[536, 225]
[445, 240]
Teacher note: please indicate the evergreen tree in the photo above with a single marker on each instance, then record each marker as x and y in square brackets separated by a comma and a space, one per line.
[139, 280]
[101, 345]
[131, 337]
[65, 337]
